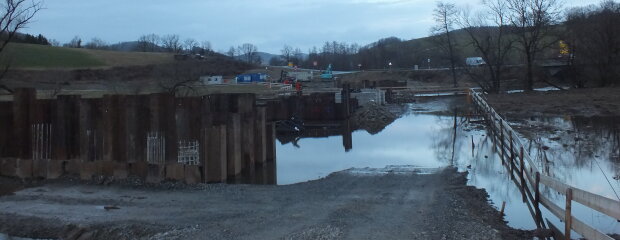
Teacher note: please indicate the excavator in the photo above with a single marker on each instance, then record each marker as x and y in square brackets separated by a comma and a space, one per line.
[327, 74]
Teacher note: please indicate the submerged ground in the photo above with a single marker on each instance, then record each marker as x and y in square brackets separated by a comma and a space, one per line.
[345, 205]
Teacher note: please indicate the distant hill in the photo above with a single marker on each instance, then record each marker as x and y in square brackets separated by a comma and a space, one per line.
[266, 57]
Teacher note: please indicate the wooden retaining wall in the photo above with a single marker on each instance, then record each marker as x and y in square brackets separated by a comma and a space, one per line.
[214, 138]
[529, 179]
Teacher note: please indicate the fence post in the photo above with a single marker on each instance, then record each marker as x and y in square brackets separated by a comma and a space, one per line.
[512, 158]
[522, 173]
[537, 200]
[501, 139]
[568, 221]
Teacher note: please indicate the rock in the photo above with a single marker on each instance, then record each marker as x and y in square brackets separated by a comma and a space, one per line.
[373, 118]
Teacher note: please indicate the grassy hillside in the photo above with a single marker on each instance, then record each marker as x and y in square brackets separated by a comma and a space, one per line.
[30, 56]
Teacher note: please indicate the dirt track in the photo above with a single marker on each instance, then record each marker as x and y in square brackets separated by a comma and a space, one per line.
[574, 102]
[341, 206]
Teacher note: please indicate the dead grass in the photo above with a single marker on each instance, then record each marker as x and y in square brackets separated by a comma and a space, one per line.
[116, 59]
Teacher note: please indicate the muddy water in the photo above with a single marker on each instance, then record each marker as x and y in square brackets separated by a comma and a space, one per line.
[430, 135]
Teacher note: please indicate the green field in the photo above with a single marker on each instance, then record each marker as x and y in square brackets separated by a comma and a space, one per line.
[31, 56]
[40, 56]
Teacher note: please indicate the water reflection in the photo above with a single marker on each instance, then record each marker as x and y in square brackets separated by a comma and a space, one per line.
[438, 133]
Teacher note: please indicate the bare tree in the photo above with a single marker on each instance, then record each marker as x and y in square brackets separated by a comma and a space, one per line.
[54, 43]
[76, 42]
[190, 44]
[171, 43]
[532, 20]
[96, 43]
[205, 46]
[287, 52]
[298, 55]
[249, 52]
[232, 52]
[148, 43]
[15, 15]
[446, 15]
[594, 37]
[488, 34]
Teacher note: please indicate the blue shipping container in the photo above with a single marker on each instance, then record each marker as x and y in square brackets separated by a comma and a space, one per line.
[250, 78]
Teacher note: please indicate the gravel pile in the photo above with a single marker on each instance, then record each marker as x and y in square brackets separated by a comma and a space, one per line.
[373, 118]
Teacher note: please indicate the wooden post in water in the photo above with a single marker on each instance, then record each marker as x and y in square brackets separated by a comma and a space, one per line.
[568, 221]
[503, 207]
[537, 200]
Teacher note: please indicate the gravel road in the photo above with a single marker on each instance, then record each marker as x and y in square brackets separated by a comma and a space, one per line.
[344, 205]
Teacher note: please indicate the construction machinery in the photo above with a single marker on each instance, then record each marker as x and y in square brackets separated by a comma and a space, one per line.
[327, 74]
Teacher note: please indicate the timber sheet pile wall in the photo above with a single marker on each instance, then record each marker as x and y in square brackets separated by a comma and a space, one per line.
[212, 138]
[314, 107]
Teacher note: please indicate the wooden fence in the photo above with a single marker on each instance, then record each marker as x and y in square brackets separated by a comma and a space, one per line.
[529, 179]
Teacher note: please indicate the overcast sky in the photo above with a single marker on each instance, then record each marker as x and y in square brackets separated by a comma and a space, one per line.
[269, 24]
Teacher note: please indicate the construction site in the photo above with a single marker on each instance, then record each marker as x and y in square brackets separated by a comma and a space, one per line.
[347, 155]
[413, 120]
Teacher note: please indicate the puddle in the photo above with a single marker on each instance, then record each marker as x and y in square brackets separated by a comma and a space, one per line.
[426, 138]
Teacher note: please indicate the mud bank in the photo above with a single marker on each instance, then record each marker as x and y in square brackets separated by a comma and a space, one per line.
[574, 102]
[344, 205]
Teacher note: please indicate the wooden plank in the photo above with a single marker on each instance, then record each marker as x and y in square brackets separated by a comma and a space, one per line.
[568, 212]
[248, 156]
[123, 124]
[599, 203]
[260, 138]
[602, 204]
[110, 127]
[168, 124]
[216, 164]
[23, 99]
[233, 145]
[577, 225]
[66, 127]
[537, 198]
[271, 142]
[86, 125]
[6, 127]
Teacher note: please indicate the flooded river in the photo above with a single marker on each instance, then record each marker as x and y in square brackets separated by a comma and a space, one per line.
[436, 133]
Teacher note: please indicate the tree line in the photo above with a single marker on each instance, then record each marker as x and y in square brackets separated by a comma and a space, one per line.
[504, 33]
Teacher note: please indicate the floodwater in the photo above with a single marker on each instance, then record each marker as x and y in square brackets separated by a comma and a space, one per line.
[436, 133]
